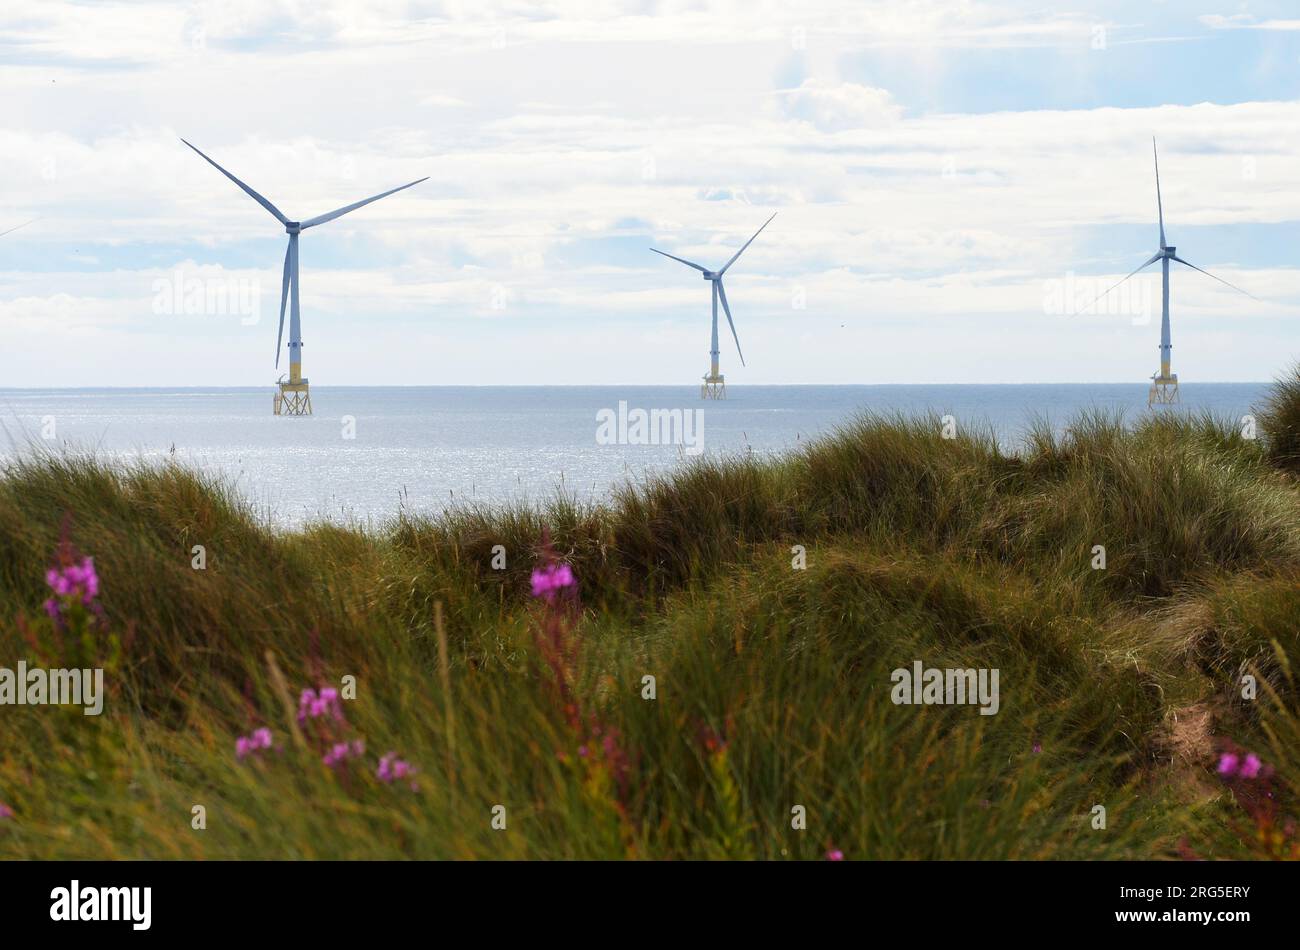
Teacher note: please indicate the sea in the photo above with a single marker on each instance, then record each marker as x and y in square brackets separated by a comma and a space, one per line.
[369, 453]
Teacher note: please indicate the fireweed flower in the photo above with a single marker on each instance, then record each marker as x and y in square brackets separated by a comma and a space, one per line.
[74, 583]
[392, 769]
[1250, 766]
[341, 752]
[247, 745]
[1227, 764]
[835, 854]
[549, 580]
[313, 705]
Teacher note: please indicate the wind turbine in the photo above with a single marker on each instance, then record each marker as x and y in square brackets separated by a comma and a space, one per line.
[1164, 386]
[294, 398]
[714, 385]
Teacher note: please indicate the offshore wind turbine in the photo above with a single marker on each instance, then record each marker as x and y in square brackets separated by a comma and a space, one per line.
[715, 385]
[294, 397]
[1164, 385]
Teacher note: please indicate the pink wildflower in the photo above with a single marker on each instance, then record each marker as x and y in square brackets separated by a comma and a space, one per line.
[342, 751]
[76, 581]
[1250, 766]
[549, 580]
[393, 769]
[6, 811]
[1227, 764]
[246, 745]
[313, 705]
[835, 854]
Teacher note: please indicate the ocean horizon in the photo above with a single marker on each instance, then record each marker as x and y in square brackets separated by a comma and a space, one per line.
[369, 453]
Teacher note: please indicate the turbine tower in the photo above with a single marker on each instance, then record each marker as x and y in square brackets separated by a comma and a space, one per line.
[715, 385]
[1164, 385]
[294, 397]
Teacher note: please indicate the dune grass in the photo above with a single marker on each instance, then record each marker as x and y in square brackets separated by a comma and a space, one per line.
[770, 600]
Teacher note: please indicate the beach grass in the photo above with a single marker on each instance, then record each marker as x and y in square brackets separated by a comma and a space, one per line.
[718, 681]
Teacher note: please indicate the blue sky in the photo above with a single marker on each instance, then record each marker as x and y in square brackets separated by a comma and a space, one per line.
[943, 172]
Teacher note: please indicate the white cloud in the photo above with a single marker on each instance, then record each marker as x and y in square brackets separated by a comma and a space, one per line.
[833, 106]
[1246, 21]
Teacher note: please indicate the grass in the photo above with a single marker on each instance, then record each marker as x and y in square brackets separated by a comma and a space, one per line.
[771, 732]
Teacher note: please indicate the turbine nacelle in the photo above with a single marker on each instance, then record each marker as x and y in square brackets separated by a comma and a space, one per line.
[710, 275]
[293, 227]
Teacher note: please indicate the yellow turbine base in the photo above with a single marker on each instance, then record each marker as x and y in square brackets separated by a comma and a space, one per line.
[1164, 391]
[293, 398]
[714, 387]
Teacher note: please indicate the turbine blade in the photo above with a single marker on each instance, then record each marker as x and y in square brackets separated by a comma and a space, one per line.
[683, 260]
[1154, 258]
[321, 219]
[1160, 207]
[16, 227]
[747, 243]
[249, 191]
[727, 310]
[1219, 279]
[284, 298]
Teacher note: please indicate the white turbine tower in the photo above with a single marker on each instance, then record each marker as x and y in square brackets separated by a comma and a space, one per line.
[294, 398]
[714, 385]
[1164, 386]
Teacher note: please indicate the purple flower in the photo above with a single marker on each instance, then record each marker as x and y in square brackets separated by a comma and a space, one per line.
[1250, 766]
[547, 581]
[392, 769]
[342, 751]
[1038, 747]
[74, 581]
[835, 854]
[6, 811]
[247, 745]
[313, 705]
[1227, 764]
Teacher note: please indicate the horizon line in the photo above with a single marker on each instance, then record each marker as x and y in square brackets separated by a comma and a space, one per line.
[260, 386]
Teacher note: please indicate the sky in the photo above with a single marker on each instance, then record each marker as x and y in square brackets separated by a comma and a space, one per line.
[954, 181]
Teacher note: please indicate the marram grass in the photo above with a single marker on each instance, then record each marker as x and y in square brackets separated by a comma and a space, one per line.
[481, 713]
